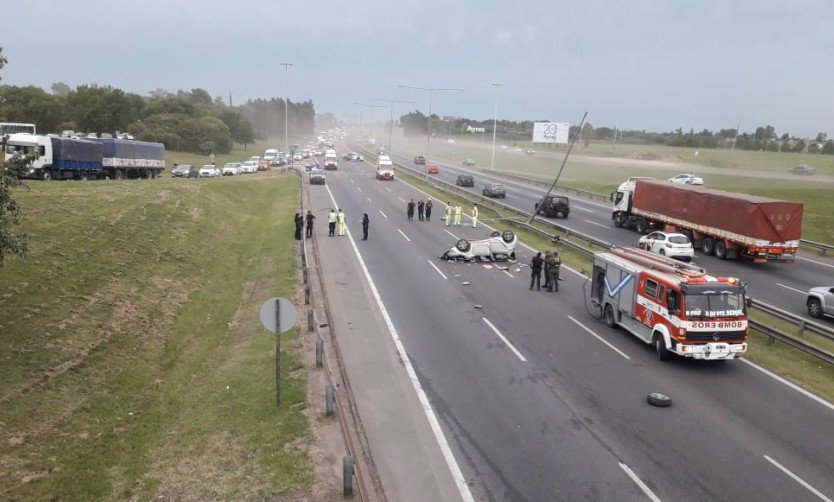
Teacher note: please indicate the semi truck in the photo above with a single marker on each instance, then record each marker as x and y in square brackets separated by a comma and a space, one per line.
[676, 307]
[724, 224]
[89, 158]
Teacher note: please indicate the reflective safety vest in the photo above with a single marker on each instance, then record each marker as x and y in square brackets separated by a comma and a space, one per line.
[331, 218]
[475, 212]
[341, 217]
[457, 210]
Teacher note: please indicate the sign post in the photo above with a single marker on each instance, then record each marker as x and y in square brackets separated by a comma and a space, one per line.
[278, 316]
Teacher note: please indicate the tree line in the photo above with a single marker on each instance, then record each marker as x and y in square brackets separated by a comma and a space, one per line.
[190, 121]
[764, 138]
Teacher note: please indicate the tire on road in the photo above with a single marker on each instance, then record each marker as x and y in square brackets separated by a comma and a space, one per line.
[658, 399]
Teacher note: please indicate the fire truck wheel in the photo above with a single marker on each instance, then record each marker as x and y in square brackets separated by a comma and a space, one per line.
[658, 399]
[663, 353]
[609, 317]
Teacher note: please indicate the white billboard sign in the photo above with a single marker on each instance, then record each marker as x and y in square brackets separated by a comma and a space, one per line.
[475, 129]
[551, 132]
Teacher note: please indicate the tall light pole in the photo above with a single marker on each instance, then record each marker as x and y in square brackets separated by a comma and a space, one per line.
[286, 110]
[391, 122]
[371, 107]
[431, 93]
[494, 124]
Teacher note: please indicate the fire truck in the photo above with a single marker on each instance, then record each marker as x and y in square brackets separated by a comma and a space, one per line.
[676, 307]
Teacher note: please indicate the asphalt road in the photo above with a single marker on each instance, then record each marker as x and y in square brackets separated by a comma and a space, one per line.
[779, 284]
[540, 401]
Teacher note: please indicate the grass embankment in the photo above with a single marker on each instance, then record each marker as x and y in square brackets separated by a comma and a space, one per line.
[805, 370]
[133, 361]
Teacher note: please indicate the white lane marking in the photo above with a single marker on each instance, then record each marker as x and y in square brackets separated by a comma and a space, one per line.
[577, 208]
[597, 224]
[512, 196]
[789, 384]
[383, 214]
[515, 351]
[450, 233]
[639, 482]
[369, 199]
[601, 339]
[438, 270]
[457, 475]
[509, 274]
[797, 479]
[359, 189]
[792, 289]
[401, 199]
[401, 233]
[815, 261]
[388, 189]
[351, 180]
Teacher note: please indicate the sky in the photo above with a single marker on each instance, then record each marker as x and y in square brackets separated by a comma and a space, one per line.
[635, 64]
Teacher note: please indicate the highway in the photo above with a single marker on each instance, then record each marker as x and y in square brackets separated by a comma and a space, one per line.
[540, 401]
[779, 284]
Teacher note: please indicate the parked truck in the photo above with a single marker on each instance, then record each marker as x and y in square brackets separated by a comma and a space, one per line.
[88, 158]
[720, 223]
[676, 307]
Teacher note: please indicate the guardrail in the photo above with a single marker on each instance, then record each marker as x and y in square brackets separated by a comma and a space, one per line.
[801, 323]
[824, 248]
[562, 188]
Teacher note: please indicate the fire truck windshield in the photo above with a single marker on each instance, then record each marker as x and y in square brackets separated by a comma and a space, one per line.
[709, 301]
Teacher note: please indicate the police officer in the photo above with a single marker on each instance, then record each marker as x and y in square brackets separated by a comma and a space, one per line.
[310, 218]
[474, 215]
[556, 264]
[365, 223]
[421, 208]
[458, 210]
[331, 222]
[428, 210]
[340, 218]
[536, 271]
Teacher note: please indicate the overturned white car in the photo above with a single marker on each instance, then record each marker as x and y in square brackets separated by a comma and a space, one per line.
[499, 246]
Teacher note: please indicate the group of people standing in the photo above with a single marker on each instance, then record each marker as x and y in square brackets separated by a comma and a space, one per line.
[299, 224]
[423, 209]
[551, 263]
[335, 221]
[456, 211]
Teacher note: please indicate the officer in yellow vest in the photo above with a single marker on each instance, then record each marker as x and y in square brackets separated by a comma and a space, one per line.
[474, 216]
[448, 215]
[458, 210]
[341, 220]
[331, 222]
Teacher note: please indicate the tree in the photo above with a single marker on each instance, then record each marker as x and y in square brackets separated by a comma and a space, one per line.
[828, 147]
[414, 123]
[103, 109]
[60, 89]
[31, 104]
[821, 137]
[3, 60]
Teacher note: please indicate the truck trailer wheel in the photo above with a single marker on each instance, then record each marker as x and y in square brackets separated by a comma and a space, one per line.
[608, 313]
[640, 226]
[708, 246]
[721, 250]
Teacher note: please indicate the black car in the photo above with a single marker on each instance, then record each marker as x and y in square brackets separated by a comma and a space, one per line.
[465, 180]
[468, 163]
[553, 206]
[185, 171]
[317, 177]
[494, 190]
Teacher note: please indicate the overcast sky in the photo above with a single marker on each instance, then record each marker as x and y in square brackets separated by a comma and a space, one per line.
[643, 64]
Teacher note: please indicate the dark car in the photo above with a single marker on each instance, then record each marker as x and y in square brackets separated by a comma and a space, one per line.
[468, 163]
[803, 169]
[494, 190]
[554, 206]
[420, 160]
[185, 171]
[465, 180]
[317, 177]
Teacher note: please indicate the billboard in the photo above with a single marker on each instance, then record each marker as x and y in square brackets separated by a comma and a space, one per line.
[551, 132]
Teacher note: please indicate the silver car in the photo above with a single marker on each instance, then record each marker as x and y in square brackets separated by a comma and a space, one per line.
[820, 301]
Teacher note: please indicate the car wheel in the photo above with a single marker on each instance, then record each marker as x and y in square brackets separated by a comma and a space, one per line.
[721, 250]
[663, 353]
[508, 236]
[619, 220]
[708, 246]
[609, 317]
[814, 308]
[463, 245]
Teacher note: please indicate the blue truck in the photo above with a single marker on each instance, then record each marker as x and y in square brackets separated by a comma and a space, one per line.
[88, 158]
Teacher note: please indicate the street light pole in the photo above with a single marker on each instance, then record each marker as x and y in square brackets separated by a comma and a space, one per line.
[286, 110]
[494, 129]
[391, 120]
[372, 113]
[431, 93]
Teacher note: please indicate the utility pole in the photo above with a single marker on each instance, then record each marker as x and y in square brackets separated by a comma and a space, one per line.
[286, 109]
[431, 93]
[735, 139]
[494, 126]
[371, 109]
[391, 121]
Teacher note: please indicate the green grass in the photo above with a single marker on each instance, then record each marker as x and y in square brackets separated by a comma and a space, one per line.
[133, 361]
[817, 197]
[805, 370]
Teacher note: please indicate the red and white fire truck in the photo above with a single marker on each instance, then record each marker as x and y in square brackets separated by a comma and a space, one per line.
[677, 307]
